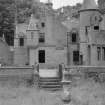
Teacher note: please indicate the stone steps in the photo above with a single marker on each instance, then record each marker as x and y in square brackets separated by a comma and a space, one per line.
[53, 83]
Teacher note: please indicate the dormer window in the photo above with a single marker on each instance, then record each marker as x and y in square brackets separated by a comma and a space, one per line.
[96, 27]
[74, 37]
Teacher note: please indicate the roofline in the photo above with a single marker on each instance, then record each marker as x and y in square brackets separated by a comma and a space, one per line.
[31, 30]
[4, 42]
[89, 10]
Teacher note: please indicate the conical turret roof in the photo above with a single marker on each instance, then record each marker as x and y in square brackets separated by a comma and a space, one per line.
[89, 4]
[34, 1]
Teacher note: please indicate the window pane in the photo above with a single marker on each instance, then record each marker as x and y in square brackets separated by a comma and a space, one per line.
[96, 27]
[74, 37]
[41, 38]
[32, 35]
[41, 56]
[21, 41]
[103, 53]
[43, 24]
[98, 53]
[76, 56]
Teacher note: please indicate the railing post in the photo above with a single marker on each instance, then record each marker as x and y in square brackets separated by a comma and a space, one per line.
[60, 71]
[38, 68]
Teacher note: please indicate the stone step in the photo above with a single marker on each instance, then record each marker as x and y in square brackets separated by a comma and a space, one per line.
[51, 89]
[42, 84]
[50, 86]
[49, 79]
[49, 82]
[48, 73]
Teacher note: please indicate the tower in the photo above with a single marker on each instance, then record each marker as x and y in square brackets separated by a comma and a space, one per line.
[36, 1]
[49, 4]
[32, 31]
[89, 16]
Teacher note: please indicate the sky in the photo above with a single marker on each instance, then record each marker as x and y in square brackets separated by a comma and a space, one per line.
[59, 3]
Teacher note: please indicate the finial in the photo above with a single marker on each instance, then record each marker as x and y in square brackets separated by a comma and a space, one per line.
[3, 37]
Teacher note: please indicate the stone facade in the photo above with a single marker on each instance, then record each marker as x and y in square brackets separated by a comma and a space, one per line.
[90, 28]
[45, 34]
[76, 41]
[53, 56]
[5, 53]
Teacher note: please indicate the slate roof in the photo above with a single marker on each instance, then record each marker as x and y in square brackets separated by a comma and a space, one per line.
[21, 29]
[89, 4]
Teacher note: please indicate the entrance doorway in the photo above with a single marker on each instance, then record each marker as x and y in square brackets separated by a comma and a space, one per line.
[41, 56]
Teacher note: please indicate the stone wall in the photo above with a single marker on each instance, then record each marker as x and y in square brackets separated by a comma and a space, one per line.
[4, 53]
[20, 56]
[52, 55]
[16, 76]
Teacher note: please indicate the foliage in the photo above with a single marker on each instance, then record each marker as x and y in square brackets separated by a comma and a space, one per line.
[69, 11]
[101, 4]
[8, 10]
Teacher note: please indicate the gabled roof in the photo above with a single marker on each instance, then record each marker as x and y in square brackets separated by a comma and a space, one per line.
[89, 4]
[32, 23]
[21, 28]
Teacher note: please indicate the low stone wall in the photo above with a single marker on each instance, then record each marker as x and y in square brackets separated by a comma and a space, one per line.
[17, 75]
[95, 72]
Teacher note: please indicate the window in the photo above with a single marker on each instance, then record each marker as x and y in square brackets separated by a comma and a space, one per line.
[95, 18]
[75, 56]
[43, 24]
[74, 37]
[86, 29]
[32, 35]
[41, 37]
[21, 41]
[98, 53]
[81, 59]
[96, 27]
[41, 56]
[103, 53]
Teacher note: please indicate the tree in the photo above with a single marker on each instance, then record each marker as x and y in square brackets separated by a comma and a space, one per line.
[8, 10]
[101, 4]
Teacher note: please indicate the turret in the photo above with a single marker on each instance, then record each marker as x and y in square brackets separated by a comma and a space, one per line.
[88, 9]
[34, 1]
[89, 21]
[32, 31]
[89, 4]
[49, 4]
